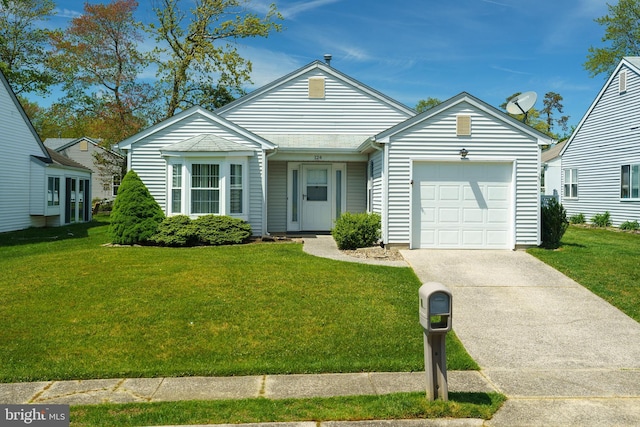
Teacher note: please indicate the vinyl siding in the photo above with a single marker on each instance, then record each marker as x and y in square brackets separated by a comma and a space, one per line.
[607, 139]
[277, 197]
[149, 164]
[345, 109]
[491, 140]
[87, 158]
[16, 183]
[356, 187]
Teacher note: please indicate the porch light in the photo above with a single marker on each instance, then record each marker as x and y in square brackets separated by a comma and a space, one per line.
[463, 153]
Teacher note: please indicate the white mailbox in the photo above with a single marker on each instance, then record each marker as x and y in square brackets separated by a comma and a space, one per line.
[435, 307]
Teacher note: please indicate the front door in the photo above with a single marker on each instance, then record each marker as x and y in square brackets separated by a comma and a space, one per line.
[316, 198]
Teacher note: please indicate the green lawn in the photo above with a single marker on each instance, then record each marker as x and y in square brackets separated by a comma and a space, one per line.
[604, 261]
[74, 309]
[386, 407]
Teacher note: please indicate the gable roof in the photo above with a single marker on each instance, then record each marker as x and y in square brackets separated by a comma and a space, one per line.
[25, 118]
[61, 144]
[463, 97]
[553, 152]
[631, 62]
[319, 65]
[127, 143]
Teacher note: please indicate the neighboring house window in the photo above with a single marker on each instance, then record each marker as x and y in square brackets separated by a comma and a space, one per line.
[53, 192]
[116, 184]
[630, 182]
[176, 188]
[571, 183]
[235, 189]
[205, 189]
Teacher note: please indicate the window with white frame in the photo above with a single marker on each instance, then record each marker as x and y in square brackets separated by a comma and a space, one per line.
[235, 189]
[117, 179]
[571, 183]
[630, 181]
[176, 188]
[205, 188]
[53, 191]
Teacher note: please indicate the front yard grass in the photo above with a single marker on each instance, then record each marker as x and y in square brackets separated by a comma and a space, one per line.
[604, 261]
[385, 407]
[74, 309]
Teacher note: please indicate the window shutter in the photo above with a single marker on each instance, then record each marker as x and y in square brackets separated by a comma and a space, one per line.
[463, 125]
[316, 87]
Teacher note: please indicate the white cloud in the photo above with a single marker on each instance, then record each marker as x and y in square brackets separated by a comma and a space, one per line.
[66, 13]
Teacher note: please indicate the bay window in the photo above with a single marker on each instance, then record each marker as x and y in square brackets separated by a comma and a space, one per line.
[205, 188]
[176, 188]
[53, 191]
[235, 189]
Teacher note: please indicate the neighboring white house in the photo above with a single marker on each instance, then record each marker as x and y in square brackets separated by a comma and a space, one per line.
[294, 155]
[551, 170]
[39, 187]
[106, 180]
[601, 161]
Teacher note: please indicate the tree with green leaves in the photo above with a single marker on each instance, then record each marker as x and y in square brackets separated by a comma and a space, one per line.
[621, 37]
[197, 64]
[23, 45]
[427, 104]
[543, 120]
[98, 60]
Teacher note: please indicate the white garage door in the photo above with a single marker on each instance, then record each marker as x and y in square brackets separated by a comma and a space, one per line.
[462, 205]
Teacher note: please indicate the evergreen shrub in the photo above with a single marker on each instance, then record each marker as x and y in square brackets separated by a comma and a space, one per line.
[176, 230]
[554, 223]
[221, 230]
[135, 215]
[354, 231]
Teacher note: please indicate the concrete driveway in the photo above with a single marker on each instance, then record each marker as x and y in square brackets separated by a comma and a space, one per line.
[562, 355]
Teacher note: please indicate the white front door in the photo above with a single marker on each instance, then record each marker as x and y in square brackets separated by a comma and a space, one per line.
[316, 198]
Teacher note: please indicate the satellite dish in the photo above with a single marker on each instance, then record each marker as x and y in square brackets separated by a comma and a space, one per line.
[522, 103]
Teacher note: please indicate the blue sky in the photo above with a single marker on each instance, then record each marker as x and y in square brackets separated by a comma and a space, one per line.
[415, 49]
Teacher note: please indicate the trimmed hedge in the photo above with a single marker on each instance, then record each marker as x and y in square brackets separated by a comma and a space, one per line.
[353, 231]
[213, 230]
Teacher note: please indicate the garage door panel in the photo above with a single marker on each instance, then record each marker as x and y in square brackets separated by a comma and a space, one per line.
[463, 205]
[473, 216]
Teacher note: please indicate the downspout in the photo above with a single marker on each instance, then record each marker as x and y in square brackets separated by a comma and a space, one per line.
[383, 219]
[265, 212]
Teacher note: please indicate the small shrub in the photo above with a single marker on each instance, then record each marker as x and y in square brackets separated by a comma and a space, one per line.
[354, 231]
[176, 230]
[221, 230]
[630, 225]
[136, 215]
[554, 224]
[601, 220]
[577, 219]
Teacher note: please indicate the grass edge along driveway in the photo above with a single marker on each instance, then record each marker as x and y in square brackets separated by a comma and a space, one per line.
[75, 309]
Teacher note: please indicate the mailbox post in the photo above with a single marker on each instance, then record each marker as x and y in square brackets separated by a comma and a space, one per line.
[435, 318]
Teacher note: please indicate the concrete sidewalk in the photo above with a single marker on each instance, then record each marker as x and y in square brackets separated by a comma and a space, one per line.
[562, 355]
[126, 390]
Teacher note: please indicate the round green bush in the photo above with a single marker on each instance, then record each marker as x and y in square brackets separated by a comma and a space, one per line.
[353, 231]
[135, 215]
[221, 230]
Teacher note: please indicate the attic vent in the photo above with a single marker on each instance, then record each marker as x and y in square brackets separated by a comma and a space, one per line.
[84, 145]
[622, 81]
[463, 125]
[316, 87]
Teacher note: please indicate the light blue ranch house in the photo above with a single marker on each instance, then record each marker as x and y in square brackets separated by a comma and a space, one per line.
[294, 155]
[601, 160]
